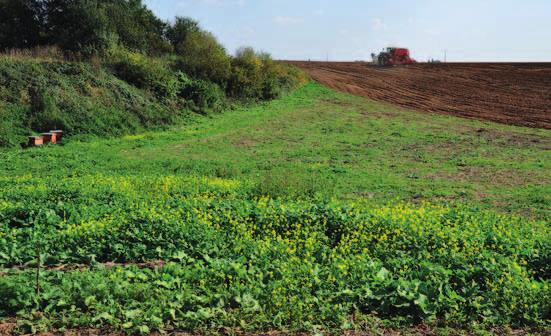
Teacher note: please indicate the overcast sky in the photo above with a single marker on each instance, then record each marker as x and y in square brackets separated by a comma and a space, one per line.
[470, 30]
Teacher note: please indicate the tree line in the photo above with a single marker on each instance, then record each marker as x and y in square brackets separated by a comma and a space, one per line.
[120, 29]
[89, 26]
[178, 66]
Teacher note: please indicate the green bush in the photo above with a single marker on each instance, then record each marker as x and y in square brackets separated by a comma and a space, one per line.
[281, 79]
[257, 76]
[146, 73]
[44, 114]
[246, 78]
[39, 96]
[203, 95]
[201, 56]
[12, 131]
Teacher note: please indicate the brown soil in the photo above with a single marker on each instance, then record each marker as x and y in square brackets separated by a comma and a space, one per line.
[509, 93]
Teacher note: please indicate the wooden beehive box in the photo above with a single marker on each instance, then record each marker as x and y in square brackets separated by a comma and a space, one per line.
[35, 141]
[59, 134]
[49, 138]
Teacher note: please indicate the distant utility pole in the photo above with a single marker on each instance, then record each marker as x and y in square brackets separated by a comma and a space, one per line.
[445, 56]
[327, 56]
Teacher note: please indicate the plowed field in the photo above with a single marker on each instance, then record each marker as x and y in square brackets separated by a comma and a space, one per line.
[517, 94]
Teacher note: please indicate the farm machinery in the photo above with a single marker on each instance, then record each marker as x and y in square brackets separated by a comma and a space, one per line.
[393, 56]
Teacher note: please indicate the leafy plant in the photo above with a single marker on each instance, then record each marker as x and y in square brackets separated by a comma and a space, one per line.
[257, 263]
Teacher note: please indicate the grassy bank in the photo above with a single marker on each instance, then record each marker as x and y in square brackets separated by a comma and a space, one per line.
[113, 68]
[39, 95]
[317, 211]
[125, 94]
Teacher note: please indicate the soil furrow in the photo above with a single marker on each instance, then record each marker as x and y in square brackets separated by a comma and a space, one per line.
[509, 93]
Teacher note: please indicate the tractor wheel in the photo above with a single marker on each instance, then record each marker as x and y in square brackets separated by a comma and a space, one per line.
[383, 60]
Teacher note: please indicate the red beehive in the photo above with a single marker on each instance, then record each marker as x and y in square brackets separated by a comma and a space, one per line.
[35, 141]
[59, 134]
[50, 138]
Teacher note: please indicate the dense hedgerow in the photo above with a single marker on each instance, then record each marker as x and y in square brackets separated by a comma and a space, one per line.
[237, 259]
[146, 73]
[56, 48]
[75, 97]
[132, 92]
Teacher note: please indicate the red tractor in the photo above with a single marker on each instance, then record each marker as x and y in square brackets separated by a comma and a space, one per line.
[393, 56]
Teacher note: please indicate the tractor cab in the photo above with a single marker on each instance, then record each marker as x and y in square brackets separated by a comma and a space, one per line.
[394, 56]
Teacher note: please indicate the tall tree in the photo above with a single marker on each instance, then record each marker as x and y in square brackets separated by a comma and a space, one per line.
[81, 25]
[137, 27]
[179, 31]
[20, 24]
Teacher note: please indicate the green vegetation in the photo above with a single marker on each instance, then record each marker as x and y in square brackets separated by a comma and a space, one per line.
[112, 68]
[314, 212]
[82, 27]
[74, 97]
[317, 211]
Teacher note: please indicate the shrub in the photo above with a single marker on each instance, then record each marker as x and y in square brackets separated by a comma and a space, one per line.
[44, 112]
[279, 78]
[201, 56]
[257, 76]
[203, 95]
[145, 73]
[12, 131]
[246, 80]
